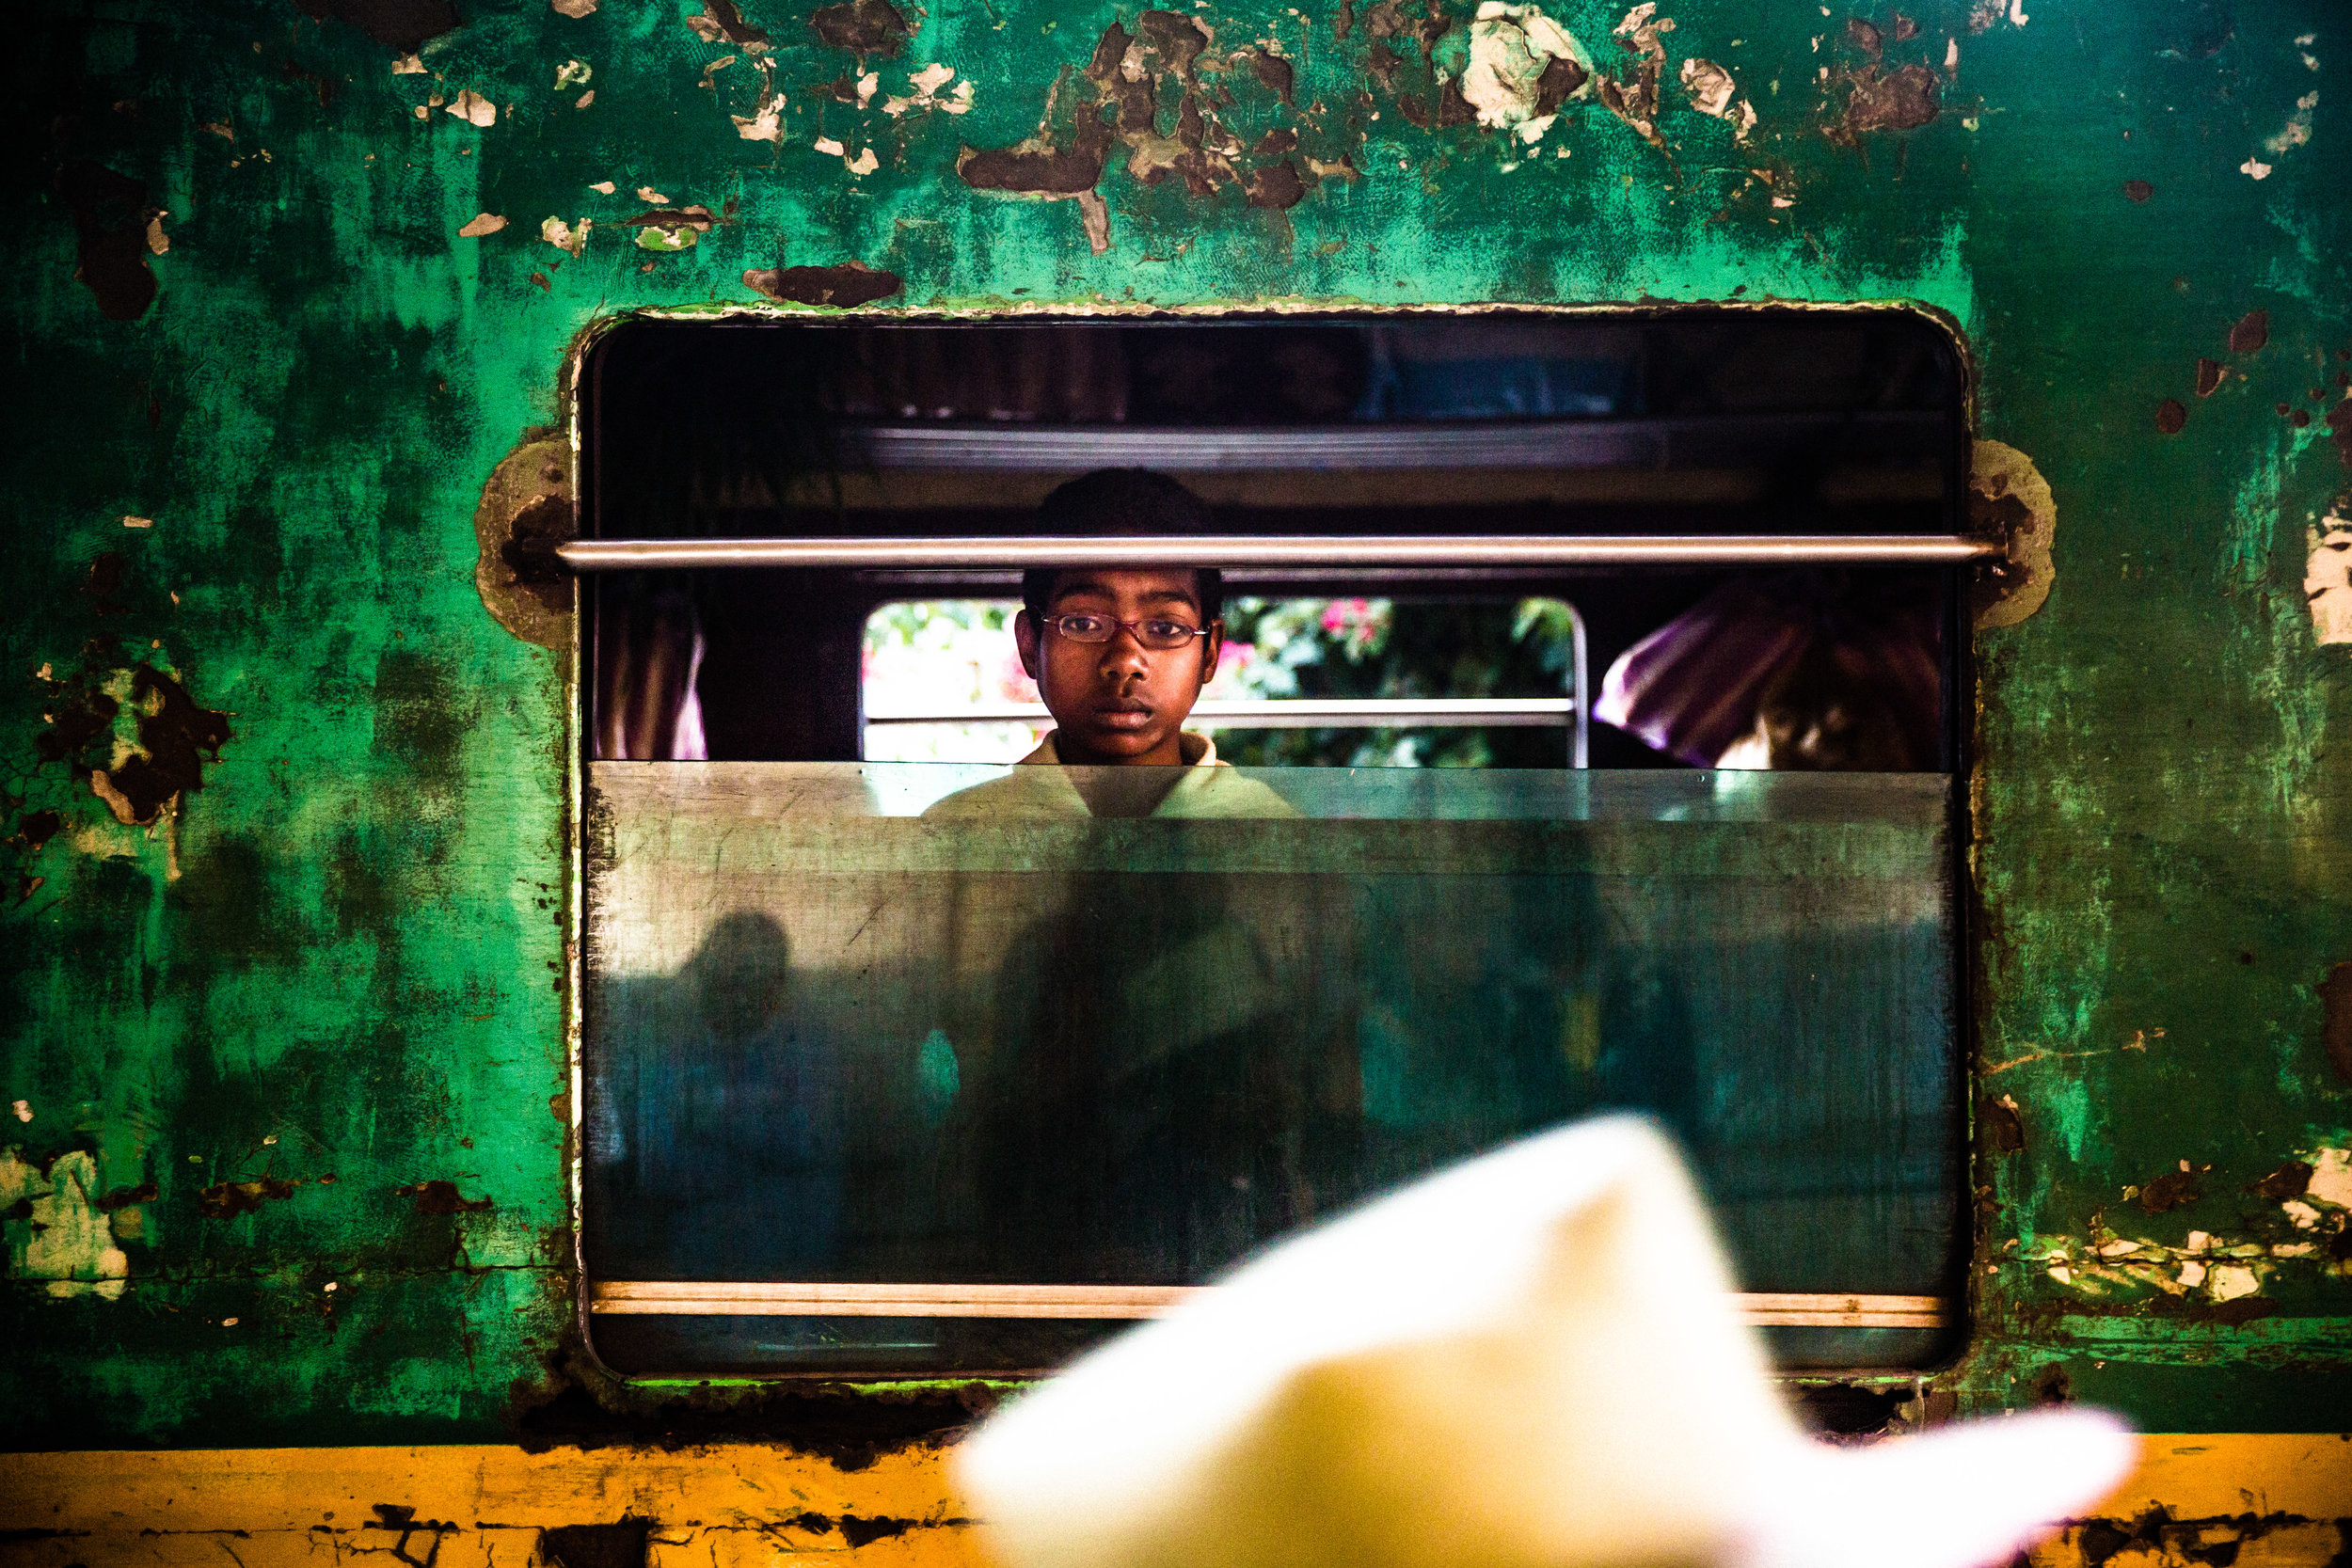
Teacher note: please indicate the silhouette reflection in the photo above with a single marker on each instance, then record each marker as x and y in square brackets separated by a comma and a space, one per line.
[718, 1138]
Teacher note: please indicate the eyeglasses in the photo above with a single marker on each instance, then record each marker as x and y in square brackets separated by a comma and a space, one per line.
[1160, 636]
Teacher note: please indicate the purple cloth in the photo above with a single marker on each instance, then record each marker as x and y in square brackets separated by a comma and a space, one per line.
[1693, 685]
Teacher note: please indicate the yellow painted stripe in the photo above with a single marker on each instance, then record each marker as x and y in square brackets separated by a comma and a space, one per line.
[738, 1505]
[2203, 1476]
[712, 1508]
[2278, 1501]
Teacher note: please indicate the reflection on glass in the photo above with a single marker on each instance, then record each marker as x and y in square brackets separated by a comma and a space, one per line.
[832, 1038]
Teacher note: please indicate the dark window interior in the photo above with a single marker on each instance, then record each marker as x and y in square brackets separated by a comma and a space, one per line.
[1694, 423]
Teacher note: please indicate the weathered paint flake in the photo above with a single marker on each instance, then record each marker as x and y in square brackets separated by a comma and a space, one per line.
[2331, 1176]
[1522, 66]
[1712, 88]
[564, 236]
[63, 1236]
[1634, 99]
[2298, 128]
[925, 83]
[2327, 580]
[473, 109]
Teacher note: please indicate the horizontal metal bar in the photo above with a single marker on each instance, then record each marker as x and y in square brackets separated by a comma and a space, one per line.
[730, 1299]
[795, 1299]
[1286, 549]
[1586, 443]
[1296, 713]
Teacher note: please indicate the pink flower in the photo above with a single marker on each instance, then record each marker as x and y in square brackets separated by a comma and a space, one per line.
[1013, 684]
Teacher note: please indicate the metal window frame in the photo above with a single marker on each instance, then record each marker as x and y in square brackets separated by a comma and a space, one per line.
[585, 555]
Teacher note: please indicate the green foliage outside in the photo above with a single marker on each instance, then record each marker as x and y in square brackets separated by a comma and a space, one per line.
[1384, 648]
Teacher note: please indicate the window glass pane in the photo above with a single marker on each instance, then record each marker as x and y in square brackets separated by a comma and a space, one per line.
[926, 1024]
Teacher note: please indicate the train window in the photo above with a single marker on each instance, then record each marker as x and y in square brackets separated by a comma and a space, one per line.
[1589, 695]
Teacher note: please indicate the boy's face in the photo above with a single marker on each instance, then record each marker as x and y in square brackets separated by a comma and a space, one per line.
[1118, 701]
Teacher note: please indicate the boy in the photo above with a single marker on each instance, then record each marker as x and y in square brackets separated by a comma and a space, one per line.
[1153, 1091]
[1120, 656]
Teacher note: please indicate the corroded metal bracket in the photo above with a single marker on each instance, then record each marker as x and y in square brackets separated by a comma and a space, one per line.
[2010, 504]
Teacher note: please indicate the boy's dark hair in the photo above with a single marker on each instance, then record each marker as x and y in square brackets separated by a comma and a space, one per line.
[1124, 504]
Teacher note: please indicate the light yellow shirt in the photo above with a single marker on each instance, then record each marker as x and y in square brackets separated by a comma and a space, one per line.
[1041, 787]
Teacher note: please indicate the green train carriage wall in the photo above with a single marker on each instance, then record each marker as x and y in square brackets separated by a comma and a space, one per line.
[296, 286]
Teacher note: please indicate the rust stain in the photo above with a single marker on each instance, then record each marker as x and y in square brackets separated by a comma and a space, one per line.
[1274, 72]
[124, 1198]
[229, 1199]
[2335, 1000]
[2289, 1180]
[2172, 415]
[2138, 190]
[2004, 1128]
[399, 25]
[1903, 99]
[864, 26]
[1176, 38]
[2208, 376]
[1277, 186]
[1035, 171]
[721, 22]
[441, 1198]
[2251, 333]
[852, 283]
[2340, 431]
[2232, 1313]
[2174, 1189]
[2009, 500]
[526, 510]
[110, 217]
[174, 734]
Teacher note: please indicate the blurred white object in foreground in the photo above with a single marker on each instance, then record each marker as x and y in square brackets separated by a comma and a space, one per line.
[1532, 1358]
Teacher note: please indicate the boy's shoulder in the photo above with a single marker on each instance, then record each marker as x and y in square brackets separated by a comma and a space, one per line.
[1027, 791]
[1038, 787]
[1220, 791]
